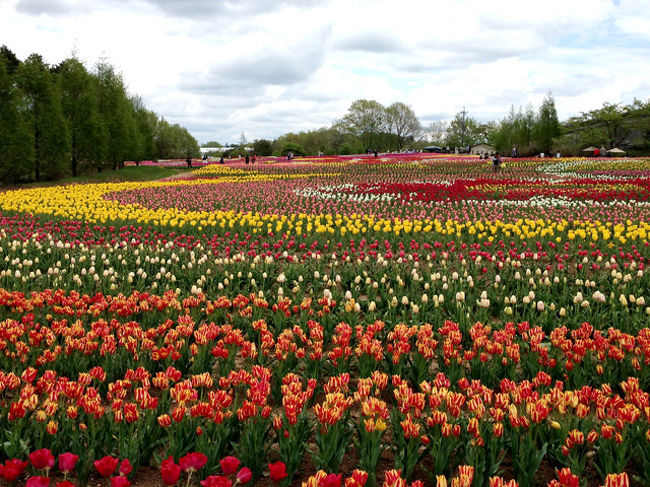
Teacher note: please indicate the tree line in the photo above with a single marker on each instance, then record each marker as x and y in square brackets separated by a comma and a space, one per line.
[368, 125]
[64, 119]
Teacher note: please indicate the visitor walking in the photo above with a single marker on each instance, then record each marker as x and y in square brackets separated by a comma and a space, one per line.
[514, 152]
[248, 159]
[189, 162]
[496, 163]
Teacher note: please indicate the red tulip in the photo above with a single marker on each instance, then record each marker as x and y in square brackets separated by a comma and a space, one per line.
[125, 467]
[13, 469]
[106, 466]
[277, 471]
[193, 462]
[42, 459]
[229, 465]
[332, 480]
[120, 481]
[67, 462]
[244, 475]
[38, 482]
[217, 481]
[65, 483]
[170, 471]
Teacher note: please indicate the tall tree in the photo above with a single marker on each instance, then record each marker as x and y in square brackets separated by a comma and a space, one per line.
[437, 131]
[547, 127]
[366, 119]
[88, 136]
[116, 112]
[145, 126]
[11, 61]
[262, 147]
[51, 142]
[16, 137]
[186, 143]
[402, 123]
[515, 130]
[464, 131]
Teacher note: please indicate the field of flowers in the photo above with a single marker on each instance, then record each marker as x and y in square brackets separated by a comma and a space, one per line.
[408, 320]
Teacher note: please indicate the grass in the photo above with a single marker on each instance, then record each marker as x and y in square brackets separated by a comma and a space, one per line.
[128, 173]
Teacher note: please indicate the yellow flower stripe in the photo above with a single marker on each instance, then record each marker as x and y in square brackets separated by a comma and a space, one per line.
[617, 165]
[86, 202]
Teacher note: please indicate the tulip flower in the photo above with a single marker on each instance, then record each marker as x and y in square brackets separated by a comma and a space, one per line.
[125, 467]
[67, 462]
[229, 465]
[216, 481]
[13, 469]
[120, 481]
[244, 475]
[170, 471]
[193, 462]
[277, 471]
[332, 480]
[42, 459]
[38, 482]
[106, 466]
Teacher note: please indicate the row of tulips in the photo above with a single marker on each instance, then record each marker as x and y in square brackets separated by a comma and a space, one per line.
[68, 331]
[486, 282]
[143, 416]
[232, 473]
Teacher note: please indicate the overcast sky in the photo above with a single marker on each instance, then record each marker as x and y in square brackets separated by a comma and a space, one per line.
[267, 67]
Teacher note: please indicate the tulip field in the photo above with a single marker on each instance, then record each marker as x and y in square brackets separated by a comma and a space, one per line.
[406, 320]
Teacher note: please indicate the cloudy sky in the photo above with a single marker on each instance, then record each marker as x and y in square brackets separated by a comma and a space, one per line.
[267, 67]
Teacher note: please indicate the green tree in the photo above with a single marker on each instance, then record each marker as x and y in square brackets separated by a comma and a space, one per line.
[603, 126]
[297, 149]
[403, 124]
[213, 143]
[117, 114]
[16, 137]
[88, 138]
[515, 130]
[262, 147]
[464, 131]
[146, 121]
[639, 122]
[547, 127]
[366, 120]
[186, 144]
[163, 140]
[243, 142]
[11, 61]
[48, 125]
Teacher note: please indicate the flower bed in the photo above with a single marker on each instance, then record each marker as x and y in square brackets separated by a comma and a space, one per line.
[405, 320]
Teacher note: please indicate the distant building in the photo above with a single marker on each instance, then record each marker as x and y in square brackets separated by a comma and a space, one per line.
[207, 150]
[482, 149]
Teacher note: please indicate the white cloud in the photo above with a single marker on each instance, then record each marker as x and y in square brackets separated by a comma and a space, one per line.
[267, 67]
